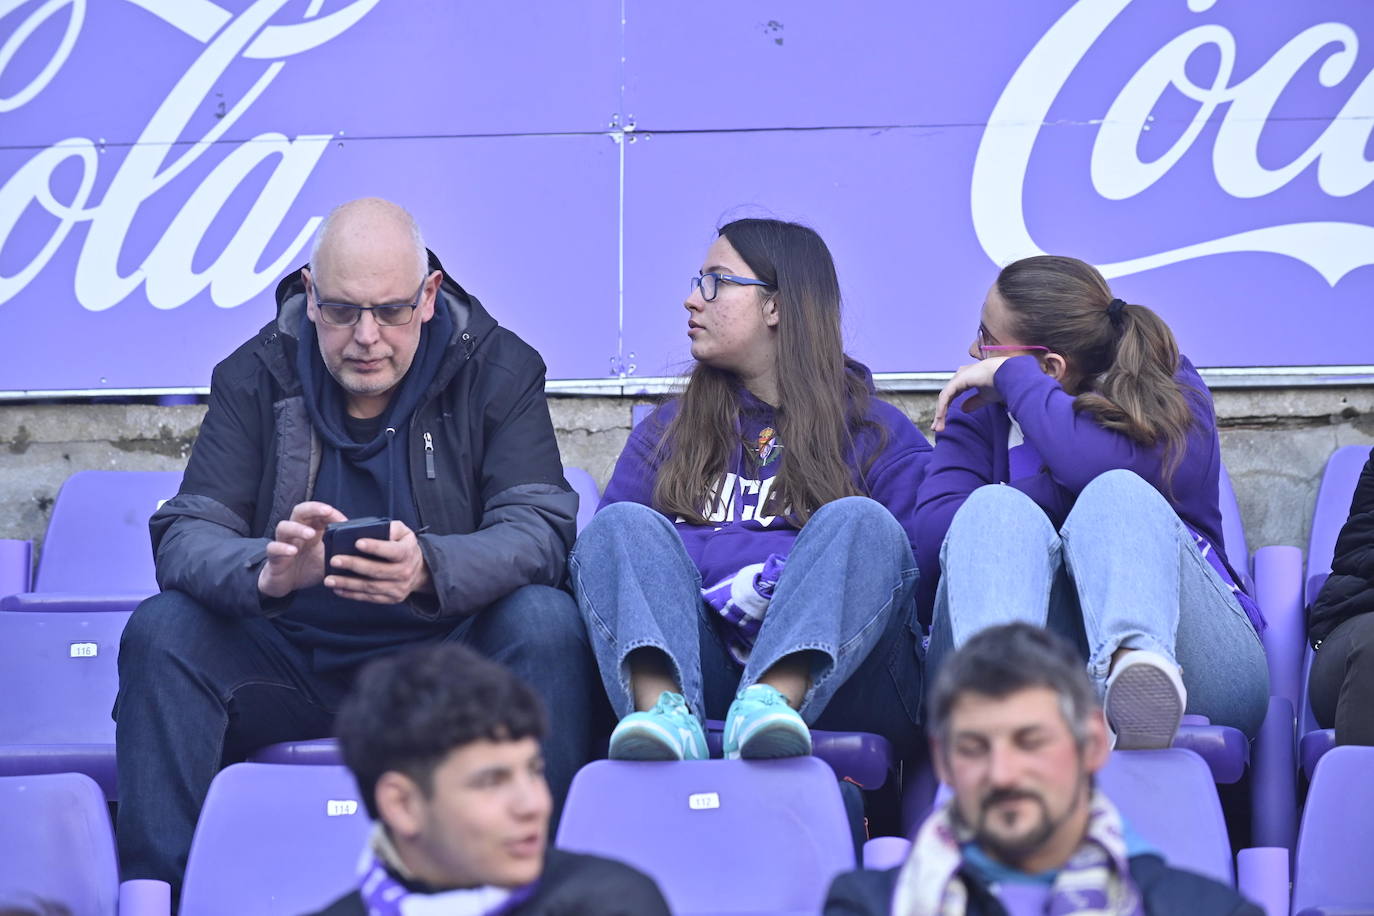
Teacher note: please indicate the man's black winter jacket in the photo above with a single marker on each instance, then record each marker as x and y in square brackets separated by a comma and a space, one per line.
[484, 465]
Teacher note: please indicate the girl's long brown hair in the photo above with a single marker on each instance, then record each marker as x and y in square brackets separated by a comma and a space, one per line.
[1127, 363]
[822, 405]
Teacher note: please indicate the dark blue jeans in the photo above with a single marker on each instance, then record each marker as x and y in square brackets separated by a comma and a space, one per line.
[198, 690]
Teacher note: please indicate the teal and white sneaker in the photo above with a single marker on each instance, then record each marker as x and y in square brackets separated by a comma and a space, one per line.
[669, 731]
[761, 725]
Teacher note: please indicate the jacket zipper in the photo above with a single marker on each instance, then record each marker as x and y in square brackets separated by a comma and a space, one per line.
[429, 457]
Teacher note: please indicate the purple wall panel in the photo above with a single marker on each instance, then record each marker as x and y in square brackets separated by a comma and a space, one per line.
[876, 197]
[377, 68]
[1229, 185]
[515, 242]
[1153, 139]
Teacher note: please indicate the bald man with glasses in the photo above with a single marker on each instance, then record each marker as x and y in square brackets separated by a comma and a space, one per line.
[382, 391]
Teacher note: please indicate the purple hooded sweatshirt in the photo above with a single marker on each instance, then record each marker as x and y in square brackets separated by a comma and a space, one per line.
[737, 536]
[1069, 448]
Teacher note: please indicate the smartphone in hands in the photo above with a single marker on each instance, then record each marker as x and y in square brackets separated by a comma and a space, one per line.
[341, 539]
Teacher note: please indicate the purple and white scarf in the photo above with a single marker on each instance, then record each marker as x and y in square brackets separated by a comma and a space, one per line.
[384, 895]
[1095, 881]
[742, 600]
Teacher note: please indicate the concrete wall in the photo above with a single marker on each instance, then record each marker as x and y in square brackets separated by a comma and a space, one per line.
[1275, 442]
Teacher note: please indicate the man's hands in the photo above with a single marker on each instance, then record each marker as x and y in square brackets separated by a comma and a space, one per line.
[975, 375]
[295, 560]
[295, 557]
[390, 572]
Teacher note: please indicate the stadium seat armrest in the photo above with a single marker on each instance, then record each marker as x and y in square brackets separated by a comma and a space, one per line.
[884, 852]
[1262, 876]
[1278, 591]
[145, 897]
[1274, 778]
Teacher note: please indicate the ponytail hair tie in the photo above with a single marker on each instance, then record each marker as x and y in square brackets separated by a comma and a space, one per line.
[1115, 308]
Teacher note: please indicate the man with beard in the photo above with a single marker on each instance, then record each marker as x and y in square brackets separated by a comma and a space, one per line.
[1017, 732]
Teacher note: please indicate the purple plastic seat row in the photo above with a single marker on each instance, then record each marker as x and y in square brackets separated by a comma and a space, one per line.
[858, 757]
[96, 553]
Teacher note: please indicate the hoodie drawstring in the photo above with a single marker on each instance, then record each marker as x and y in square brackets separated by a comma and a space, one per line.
[390, 472]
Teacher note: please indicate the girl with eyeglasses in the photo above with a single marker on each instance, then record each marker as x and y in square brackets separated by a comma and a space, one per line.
[1074, 484]
[752, 555]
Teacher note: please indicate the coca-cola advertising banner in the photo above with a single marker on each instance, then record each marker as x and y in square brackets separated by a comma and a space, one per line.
[164, 162]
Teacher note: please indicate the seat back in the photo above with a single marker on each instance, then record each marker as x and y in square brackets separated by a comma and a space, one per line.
[59, 675]
[1336, 841]
[588, 495]
[1169, 799]
[58, 844]
[1329, 514]
[719, 835]
[1233, 529]
[275, 841]
[97, 539]
[1331, 510]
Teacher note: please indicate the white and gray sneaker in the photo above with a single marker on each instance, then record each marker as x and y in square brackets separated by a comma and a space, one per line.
[1145, 701]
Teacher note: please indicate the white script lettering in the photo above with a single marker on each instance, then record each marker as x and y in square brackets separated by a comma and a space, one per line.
[1331, 248]
[167, 270]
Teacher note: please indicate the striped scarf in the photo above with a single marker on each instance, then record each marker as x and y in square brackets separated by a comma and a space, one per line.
[1095, 881]
[384, 895]
[741, 600]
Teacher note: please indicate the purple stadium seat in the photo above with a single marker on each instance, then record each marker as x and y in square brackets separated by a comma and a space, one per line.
[1328, 517]
[718, 835]
[274, 841]
[97, 555]
[58, 844]
[587, 492]
[1333, 873]
[58, 678]
[1171, 800]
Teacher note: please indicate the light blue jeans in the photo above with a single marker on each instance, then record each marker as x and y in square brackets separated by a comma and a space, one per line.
[845, 598]
[1122, 571]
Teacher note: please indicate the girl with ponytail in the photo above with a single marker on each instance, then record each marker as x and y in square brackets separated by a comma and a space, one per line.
[1074, 484]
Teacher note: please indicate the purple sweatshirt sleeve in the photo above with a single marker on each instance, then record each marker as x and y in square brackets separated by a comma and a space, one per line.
[896, 475]
[632, 481]
[971, 452]
[1073, 446]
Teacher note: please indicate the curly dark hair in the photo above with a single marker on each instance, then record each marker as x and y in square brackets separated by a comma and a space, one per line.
[409, 710]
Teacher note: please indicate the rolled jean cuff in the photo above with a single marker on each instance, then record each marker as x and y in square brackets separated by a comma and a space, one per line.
[1100, 664]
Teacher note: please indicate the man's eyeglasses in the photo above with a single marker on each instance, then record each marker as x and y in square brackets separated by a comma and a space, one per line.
[986, 349]
[710, 283]
[342, 315]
